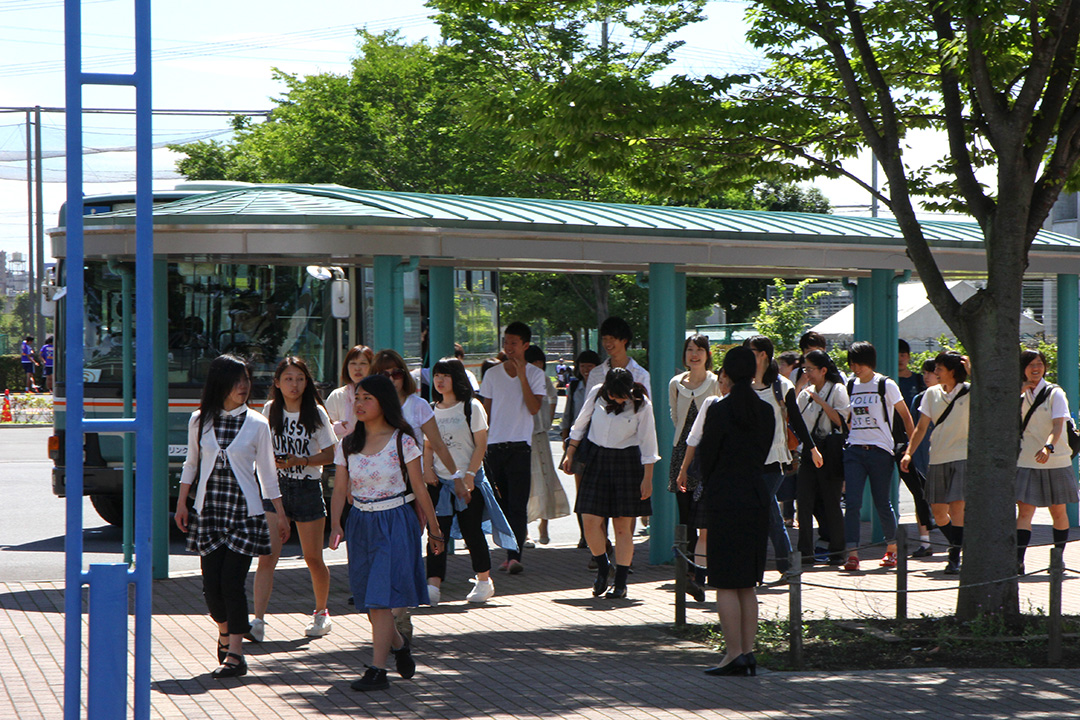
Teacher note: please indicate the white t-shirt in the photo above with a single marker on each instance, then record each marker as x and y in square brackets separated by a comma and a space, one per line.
[510, 420]
[295, 440]
[417, 412]
[378, 476]
[868, 421]
[779, 452]
[457, 436]
[950, 440]
[813, 414]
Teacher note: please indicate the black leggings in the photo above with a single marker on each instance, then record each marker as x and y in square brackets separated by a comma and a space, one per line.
[470, 522]
[916, 485]
[224, 573]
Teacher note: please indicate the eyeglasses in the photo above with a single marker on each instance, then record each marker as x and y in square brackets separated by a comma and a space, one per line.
[395, 373]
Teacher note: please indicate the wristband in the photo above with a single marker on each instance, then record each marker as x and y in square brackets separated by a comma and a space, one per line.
[456, 476]
[470, 472]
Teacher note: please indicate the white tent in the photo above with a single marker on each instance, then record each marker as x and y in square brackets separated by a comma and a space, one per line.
[919, 322]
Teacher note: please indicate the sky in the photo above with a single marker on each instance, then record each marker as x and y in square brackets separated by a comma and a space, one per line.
[213, 55]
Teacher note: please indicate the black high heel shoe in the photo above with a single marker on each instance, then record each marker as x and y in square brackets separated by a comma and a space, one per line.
[739, 666]
[751, 663]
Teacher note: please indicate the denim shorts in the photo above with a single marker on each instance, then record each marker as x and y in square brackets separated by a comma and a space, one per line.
[303, 499]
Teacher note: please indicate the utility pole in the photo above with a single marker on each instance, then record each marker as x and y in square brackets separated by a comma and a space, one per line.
[39, 246]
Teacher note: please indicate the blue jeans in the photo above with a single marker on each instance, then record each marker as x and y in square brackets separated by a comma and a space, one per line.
[860, 463]
[781, 543]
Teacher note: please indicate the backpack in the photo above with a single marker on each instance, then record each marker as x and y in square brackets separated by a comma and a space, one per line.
[899, 434]
[1071, 434]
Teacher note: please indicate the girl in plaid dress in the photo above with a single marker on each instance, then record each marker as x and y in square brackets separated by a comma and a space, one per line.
[617, 420]
[378, 464]
[228, 446]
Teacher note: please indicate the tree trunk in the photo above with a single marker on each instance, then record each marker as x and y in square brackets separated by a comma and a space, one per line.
[991, 323]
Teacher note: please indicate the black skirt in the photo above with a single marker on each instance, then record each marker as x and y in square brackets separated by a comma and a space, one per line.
[611, 484]
[736, 547]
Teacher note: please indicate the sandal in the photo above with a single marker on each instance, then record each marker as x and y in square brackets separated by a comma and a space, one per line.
[231, 669]
[222, 650]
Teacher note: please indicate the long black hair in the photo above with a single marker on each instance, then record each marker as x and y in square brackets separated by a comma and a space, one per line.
[765, 345]
[461, 386]
[383, 390]
[821, 359]
[310, 418]
[224, 373]
[619, 382]
[740, 366]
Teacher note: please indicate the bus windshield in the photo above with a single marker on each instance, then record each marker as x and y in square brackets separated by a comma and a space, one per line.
[259, 312]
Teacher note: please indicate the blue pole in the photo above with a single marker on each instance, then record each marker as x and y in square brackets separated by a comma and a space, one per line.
[665, 343]
[148, 362]
[107, 641]
[440, 313]
[73, 353]
[1068, 330]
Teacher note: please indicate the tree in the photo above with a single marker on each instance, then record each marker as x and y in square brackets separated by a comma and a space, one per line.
[997, 78]
[783, 319]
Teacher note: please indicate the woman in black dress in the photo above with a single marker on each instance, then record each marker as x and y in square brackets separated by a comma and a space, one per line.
[735, 442]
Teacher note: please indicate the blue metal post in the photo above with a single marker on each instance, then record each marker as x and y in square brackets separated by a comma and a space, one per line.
[107, 640]
[665, 343]
[1068, 332]
[160, 528]
[106, 584]
[440, 313]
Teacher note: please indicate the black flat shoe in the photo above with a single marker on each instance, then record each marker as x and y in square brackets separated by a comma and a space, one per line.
[695, 591]
[231, 669]
[222, 650]
[374, 679]
[616, 593]
[403, 660]
[751, 663]
[737, 667]
[601, 585]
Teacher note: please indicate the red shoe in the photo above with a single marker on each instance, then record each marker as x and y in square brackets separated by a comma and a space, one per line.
[889, 561]
[505, 566]
[852, 563]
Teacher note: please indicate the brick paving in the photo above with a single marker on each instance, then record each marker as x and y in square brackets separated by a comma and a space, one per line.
[542, 648]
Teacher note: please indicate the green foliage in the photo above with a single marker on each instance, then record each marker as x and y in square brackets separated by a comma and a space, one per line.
[12, 376]
[783, 319]
[17, 320]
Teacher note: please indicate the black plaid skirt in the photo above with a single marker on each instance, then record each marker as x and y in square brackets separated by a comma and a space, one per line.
[611, 484]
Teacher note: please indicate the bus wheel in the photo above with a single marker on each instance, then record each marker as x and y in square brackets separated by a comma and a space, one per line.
[110, 508]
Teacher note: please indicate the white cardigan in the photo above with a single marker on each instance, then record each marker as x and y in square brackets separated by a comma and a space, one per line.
[251, 451]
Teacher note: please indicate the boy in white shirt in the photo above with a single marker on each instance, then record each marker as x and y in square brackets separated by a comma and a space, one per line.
[512, 393]
[869, 452]
[615, 336]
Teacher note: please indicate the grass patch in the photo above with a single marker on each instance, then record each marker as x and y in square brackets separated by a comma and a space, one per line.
[877, 644]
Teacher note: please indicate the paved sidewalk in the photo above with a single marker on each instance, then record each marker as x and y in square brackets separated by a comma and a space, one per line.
[542, 648]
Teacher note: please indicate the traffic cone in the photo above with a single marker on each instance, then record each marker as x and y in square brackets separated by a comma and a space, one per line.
[5, 416]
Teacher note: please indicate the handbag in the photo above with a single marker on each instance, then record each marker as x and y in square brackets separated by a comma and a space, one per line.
[792, 438]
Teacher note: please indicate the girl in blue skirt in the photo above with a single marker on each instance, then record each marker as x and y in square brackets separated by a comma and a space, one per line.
[378, 464]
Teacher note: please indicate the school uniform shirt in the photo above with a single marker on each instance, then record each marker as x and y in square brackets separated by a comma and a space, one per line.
[696, 430]
[378, 476]
[814, 416]
[951, 437]
[679, 397]
[510, 420]
[250, 452]
[1039, 428]
[596, 377]
[779, 452]
[618, 431]
[458, 435]
[294, 439]
[868, 422]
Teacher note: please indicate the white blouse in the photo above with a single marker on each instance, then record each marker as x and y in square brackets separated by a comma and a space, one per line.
[618, 431]
[339, 406]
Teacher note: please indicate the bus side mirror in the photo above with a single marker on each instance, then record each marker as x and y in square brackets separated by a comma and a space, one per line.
[339, 299]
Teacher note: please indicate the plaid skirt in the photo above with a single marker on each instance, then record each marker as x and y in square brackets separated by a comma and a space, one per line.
[945, 482]
[611, 484]
[1043, 487]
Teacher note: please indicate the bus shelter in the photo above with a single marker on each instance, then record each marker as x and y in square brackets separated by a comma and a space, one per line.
[393, 232]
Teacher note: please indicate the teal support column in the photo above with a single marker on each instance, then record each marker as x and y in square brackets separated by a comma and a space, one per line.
[864, 307]
[440, 313]
[388, 302]
[1068, 332]
[665, 343]
[160, 475]
[680, 312]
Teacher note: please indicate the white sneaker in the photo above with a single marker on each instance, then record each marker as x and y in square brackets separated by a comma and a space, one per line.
[257, 631]
[433, 594]
[320, 624]
[483, 591]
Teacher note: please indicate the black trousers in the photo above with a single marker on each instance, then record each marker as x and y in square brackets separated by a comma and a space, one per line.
[508, 467]
[819, 489]
[224, 573]
[470, 521]
[916, 485]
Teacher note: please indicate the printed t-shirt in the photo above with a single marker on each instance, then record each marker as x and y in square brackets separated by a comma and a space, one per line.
[457, 435]
[295, 440]
[868, 422]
